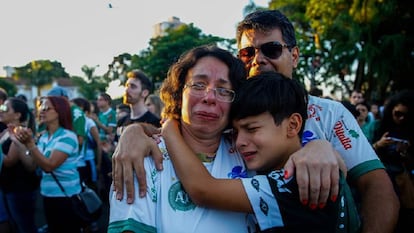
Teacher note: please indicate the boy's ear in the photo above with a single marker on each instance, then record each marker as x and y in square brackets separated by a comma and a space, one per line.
[295, 123]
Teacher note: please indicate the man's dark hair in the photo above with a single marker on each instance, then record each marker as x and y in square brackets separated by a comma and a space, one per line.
[146, 83]
[265, 21]
[106, 97]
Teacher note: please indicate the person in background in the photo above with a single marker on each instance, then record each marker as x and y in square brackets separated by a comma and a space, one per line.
[351, 108]
[78, 124]
[122, 110]
[316, 92]
[56, 153]
[368, 127]
[4, 218]
[3, 98]
[19, 180]
[374, 111]
[265, 133]
[92, 150]
[106, 122]
[356, 97]
[266, 42]
[394, 140]
[92, 153]
[22, 97]
[154, 104]
[137, 88]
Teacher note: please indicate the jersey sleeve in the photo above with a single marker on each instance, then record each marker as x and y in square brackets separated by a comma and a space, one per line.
[331, 121]
[139, 216]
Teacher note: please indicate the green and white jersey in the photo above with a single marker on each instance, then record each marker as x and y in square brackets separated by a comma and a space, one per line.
[168, 208]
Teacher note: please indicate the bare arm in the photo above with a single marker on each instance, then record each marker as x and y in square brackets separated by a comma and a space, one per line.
[378, 197]
[19, 150]
[107, 129]
[25, 136]
[133, 146]
[98, 151]
[204, 190]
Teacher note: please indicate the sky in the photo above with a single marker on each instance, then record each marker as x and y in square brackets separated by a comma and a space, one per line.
[90, 32]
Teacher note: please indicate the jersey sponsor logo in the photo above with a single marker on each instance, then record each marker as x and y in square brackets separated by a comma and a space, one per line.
[237, 172]
[340, 132]
[313, 109]
[179, 198]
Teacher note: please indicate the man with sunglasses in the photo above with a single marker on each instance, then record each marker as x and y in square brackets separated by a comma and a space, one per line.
[266, 42]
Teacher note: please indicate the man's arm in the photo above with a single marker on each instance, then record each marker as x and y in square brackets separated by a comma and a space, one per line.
[332, 121]
[377, 197]
[133, 146]
[317, 175]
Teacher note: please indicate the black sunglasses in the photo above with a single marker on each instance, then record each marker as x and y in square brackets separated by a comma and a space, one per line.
[272, 50]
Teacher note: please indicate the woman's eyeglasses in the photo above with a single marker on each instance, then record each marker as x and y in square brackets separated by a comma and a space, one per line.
[45, 108]
[4, 108]
[201, 90]
[272, 50]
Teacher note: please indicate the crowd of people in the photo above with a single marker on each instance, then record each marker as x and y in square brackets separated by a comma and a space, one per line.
[230, 144]
[63, 140]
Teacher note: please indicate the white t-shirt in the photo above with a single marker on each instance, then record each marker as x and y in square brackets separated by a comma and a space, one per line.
[167, 208]
[330, 120]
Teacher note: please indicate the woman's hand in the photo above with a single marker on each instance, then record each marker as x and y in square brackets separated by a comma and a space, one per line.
[23, 134]
[128, 158]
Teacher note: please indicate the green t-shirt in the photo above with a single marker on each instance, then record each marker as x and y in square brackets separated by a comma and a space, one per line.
[107, 118]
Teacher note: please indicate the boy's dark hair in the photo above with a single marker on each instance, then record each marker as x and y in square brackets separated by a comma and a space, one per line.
[146, 83]
[270, 92]
[82, 103]
[106, 97]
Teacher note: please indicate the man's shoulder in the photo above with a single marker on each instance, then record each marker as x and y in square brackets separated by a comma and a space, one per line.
[148, 117]
[151, 118]
[323, 101]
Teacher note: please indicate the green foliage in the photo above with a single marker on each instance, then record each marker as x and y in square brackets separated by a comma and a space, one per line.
[364, 44]
[41, 72]
[9, 87]
[162, 52]
[93, 85]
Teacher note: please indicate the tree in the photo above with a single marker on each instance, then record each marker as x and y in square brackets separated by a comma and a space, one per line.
[162, 52]
[40, 72]
[362, 44]
[9, 87]
[93, 85]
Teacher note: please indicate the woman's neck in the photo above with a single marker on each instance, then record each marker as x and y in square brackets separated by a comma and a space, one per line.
[52, 127]
[360, 121]
[200, 142]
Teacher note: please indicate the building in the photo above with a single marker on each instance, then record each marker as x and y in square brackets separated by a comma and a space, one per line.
[161, 28]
